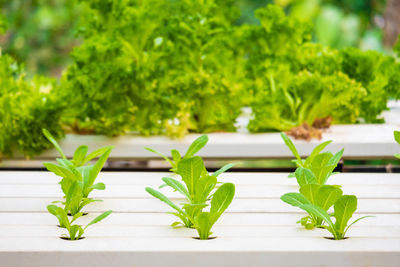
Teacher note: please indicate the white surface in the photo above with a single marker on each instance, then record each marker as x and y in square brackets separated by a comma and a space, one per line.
[257, 230]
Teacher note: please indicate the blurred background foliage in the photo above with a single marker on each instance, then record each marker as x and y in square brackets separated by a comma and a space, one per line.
[42, 33]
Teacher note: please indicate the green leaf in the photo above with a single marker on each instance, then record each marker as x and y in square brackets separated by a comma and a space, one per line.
[291, 146]
[176, 156]
[305, 176]
[98, 186]
[73, 198]
[203, 189]
[197, 144]
[320, 213]
[343, 211]
[95, 170]
[221, 200]
[60, 171]
[98, 218]
[203, 225]
[71, 167]
[52, 209]
[316, 151]
[76, 216]
[74, 232]
[397, 136]
[164, 199]
[98, 152]
[327, 195]
[177, 186]
[310, 192]
[63, 218]
[295, 199]
[79, 155]
[190, 170]
[54, 142]
[223, 169]
[160, 154]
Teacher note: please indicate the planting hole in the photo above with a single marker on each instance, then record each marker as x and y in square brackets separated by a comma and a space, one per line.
[331, 238]
[198, 238]
[84, 214]
[66, 238]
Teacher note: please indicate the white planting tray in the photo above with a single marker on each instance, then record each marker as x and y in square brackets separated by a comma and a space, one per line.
[258, 229]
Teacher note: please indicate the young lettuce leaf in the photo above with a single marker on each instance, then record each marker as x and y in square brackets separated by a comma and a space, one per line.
[344, 209]
[323, 196]
[194, 147]
[220, 201]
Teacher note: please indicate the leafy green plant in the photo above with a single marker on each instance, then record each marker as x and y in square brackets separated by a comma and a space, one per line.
[320, 164]
[323, 196]
[75, 231]
[194, 147]
[78, 169]
[78, 178]
[220, 201]
[344, 208]
[165, 65]
[197, 189]
[26, 107]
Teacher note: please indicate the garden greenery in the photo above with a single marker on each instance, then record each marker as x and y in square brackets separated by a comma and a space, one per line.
[199, 188]
[319, 165]
[177, 67]
[26, 107]
[78, 180]
[195, 147]
[344, 209]
[315, 196]
[75, 231]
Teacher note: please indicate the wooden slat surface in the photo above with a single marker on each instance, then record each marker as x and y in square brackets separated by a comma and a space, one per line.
[258, 229]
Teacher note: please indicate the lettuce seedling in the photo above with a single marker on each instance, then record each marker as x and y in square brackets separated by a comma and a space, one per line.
[220, 201]
[397, 138]
[344, 209]
[321, 164]
[196, 188]
[77, 169]
[75, 231]
[195, 147]
[322, 196]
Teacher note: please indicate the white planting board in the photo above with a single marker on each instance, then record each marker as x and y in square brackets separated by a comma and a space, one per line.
[257, 229]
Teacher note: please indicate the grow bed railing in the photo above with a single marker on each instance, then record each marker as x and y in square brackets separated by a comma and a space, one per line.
[361, 141]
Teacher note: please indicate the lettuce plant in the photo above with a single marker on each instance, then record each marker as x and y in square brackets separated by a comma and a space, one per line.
[75, 231]
[344, 209]
[78, 169]
[26, 107]
[321, 164]
[323, 196]
[165, 65]
[195, 147]
[197, 189]
[220, 201]
[78, 180]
